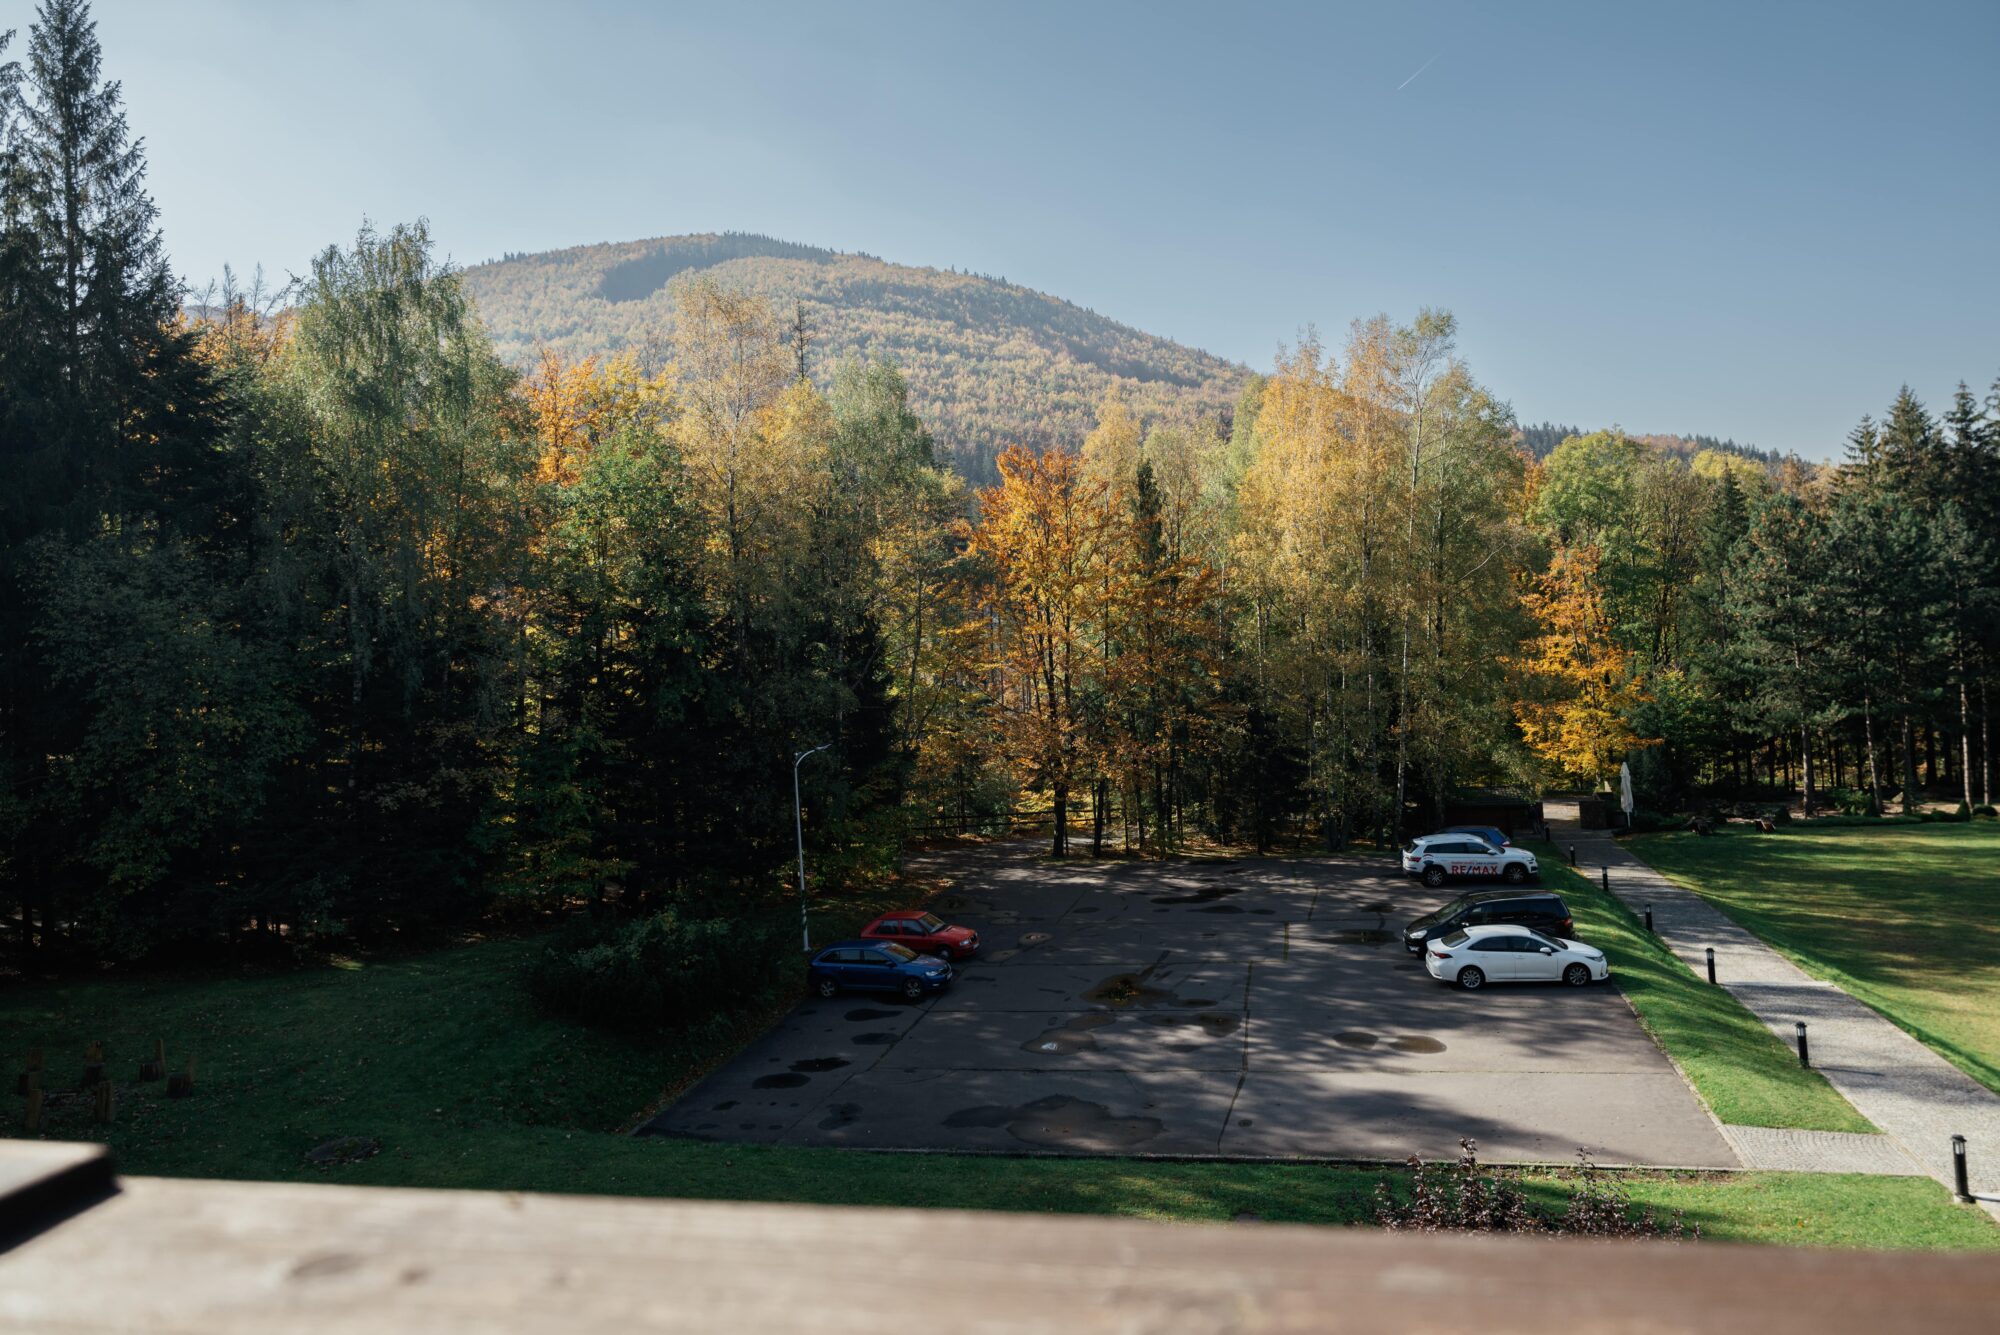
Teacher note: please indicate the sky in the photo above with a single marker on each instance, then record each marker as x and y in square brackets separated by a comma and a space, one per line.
[1744, 220]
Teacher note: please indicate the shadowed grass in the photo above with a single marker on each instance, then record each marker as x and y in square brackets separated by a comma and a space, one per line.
[1747, 1076]
[1901, 916]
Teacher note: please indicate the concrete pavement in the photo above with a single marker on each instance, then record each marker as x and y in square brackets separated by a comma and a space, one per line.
[1207, 1007]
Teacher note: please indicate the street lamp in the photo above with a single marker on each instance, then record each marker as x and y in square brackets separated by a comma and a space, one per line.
[799, 827]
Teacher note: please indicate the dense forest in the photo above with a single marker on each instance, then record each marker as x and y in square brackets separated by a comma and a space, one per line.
[988, 363]
[323, 621]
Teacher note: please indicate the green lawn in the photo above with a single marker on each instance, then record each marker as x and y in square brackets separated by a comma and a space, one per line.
[440, 1058]
[1748, 1077]
[1905, 917]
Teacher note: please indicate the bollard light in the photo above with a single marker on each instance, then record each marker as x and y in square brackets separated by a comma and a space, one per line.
[1805, 1052]
[1649, 917]
[1711, 964]
[1572, 855]
[1961, 1188]
[1607, 880]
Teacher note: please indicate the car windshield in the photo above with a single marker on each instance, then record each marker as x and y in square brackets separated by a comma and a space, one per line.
[1456, 939]
[901, 953]
[1459, 905]
[930, 922]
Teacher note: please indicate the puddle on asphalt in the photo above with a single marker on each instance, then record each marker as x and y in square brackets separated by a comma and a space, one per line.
[1246, 1121]
[1085, 908]
[1062, 1122]
[1073, 1035]
[724, 1106]
[817, 1064]
[1365, 936]
[1356, 1038]
[839, 1115]
[1128, 989]
[875, 1040]
[1033, 938]
[870, 1013]
[1379, 906]
[784, 1080]
[1213, 1023]
[1208, 894]
[1220, 908]
[1262, 913]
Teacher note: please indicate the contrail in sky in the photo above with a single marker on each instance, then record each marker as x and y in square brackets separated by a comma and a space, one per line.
[1413, 78]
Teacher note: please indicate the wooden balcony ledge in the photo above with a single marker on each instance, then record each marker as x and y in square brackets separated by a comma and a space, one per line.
[216, 1258]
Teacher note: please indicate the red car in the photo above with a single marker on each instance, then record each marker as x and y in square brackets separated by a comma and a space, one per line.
[925, 933]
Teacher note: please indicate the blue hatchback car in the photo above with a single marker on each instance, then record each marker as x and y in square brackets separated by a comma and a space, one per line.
[877, 966]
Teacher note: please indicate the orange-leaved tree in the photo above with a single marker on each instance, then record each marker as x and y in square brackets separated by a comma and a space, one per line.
[1579, 692]
[1048, 538]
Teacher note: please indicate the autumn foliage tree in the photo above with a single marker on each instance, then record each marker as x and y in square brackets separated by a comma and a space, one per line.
[1578, 694]
[1048, 536]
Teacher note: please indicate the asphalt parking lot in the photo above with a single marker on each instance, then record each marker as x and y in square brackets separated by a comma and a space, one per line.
[1241, 1007]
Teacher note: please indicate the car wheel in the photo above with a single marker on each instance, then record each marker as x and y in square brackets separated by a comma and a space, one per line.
[828, 988]
[1471, 978]
[1514, 874]
[1434, 877]
[913, 990]
[1576, 975]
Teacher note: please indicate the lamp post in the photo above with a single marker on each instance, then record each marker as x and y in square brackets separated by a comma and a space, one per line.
[799, 827]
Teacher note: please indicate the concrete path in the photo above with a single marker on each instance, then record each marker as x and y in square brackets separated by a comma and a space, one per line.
[1916, 1097]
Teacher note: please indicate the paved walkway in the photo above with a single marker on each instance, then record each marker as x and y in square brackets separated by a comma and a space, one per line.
[1916, 1097]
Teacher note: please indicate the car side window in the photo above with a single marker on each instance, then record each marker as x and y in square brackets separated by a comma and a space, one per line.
[1492, 943]
[890, 927]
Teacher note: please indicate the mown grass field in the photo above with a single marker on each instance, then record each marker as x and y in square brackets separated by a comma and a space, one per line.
[1747, 1076]
[1905, 917]
[440, 1059]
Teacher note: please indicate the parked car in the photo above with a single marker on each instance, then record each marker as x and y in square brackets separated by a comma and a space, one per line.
[877, 966]
[1436, 857]
[925, 933]
[1492, 834]
[1472, 957]
[1538, 910]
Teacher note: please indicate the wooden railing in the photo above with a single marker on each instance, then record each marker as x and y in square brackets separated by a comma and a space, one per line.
[91, 1253]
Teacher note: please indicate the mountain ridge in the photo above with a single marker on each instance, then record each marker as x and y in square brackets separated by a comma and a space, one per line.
[989, 362]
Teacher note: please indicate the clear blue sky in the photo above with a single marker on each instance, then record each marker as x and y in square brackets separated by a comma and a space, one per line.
[1744, 219]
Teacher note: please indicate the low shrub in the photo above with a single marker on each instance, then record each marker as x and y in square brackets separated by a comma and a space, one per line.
[1852, 822]
[1850, 801]
[661, 972]
[1645, 820]
[1985, 812]
[1462, 1197]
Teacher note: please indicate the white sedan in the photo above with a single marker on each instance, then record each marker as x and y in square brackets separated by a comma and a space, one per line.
[1472, 957]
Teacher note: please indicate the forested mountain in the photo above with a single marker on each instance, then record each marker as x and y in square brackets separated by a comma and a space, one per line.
[989, 363]
[1541, 439]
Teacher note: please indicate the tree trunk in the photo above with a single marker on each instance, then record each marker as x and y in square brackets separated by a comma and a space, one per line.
[1909, 766]
[1965, 739]
[1868, 741]
[1097, 799]
[1985, 746]
[1806, 770]
[1059, 842]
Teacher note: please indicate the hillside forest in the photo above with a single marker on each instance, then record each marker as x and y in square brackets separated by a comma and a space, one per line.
[988, 363]
[323, 623]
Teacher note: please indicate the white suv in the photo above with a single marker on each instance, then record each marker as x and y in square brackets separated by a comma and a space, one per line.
[1436, 857]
